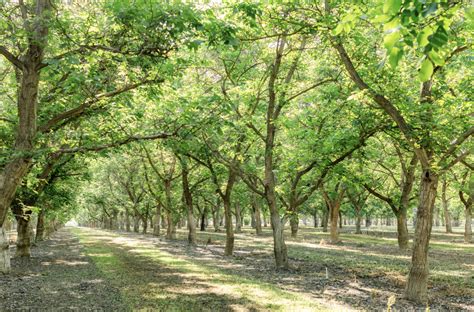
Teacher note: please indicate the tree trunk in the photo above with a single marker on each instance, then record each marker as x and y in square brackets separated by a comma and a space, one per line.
[238, 219]
[203, 219]
[340, 219]
[358, 222]
[334, 230]
[170, 227]
[229, 230]
[252, 218]
[40, 226]
[258, 214]
[468, 224]
[417, 284]
[216, 217]
[325, 220]
[402, 230]
[23, 241]
[294, 224]
[145, 224]
[315, 218]
[156, 226]
[4, 252]
[445, 202]
[136, 223]
[127, 220]
[188, 201]
[467, 210]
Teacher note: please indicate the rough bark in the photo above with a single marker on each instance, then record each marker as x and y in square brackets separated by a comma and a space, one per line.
[127, 220]
[358, 222]
[216, 216]
[334, 205]
[40, 226]
[402, 230]
[468, 224]
[417, 284]
[136, 223]
[4, 252]
[467, 207]
[445, 202]
[23, 241]
[157, 220]
[170, 229]
[238, 218]
[325, 220]
[294, 225]
[229, 229]
[188, 200]
[203, 223]
[257, 214]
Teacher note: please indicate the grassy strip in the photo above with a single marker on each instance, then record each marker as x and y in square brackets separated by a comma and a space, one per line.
[149, 278]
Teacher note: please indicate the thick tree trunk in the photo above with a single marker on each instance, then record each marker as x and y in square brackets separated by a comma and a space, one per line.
[229, 230]
[258, 215]
[156, 226]
[467, 211]
[203, 224]
[188, 201]
[468, 224]
[358, 222]
[252, 219]
[402, 230]
[417, 284]
[325, 220]
[170, 227]
[216, 217]
[340, 219]
[144, 223]
[40, 226]
[127, 220]
[4, 252]
[238, 218]
[445, 202]
[315, 218]
[23, 241]
[136, 224]
[334, 220]
[294, 225]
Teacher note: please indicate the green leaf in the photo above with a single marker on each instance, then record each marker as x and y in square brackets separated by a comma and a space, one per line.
[394, 57]
[390, 40]
[392, 6]
[426, 70]
[436, 58]
[422, 37]
[339, 28]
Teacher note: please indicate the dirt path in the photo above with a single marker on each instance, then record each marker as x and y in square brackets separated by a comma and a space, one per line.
[59, 276]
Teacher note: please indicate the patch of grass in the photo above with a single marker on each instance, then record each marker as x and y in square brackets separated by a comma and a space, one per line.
[149, 278]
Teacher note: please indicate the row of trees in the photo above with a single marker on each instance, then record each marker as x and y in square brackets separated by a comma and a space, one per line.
[286, 109]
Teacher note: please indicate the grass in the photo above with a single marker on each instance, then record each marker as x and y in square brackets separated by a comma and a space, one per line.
[365, 270]
[150, 278]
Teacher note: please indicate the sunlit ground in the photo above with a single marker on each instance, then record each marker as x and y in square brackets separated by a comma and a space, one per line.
[149, 271]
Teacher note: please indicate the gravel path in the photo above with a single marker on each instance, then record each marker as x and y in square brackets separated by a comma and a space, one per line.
[58, 277]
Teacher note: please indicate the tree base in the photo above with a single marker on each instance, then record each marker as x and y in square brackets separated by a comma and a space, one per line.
[4, 252]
